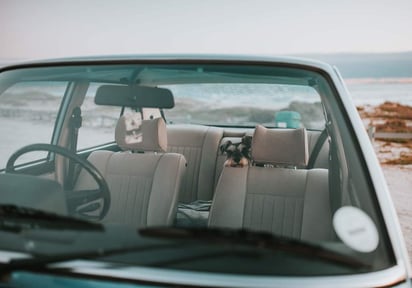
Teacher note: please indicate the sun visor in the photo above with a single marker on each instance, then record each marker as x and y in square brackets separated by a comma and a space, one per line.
[134, 96]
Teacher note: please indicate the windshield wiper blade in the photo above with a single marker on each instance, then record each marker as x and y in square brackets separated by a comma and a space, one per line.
[16, 219]
[257, 239]
[39, 261]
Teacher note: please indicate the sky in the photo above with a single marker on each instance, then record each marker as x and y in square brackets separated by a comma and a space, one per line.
[51, 29]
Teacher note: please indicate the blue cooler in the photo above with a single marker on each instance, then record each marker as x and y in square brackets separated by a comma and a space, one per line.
[287, 119]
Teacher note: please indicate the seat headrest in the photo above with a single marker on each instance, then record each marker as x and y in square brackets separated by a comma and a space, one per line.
[135, 134]
[287, 147]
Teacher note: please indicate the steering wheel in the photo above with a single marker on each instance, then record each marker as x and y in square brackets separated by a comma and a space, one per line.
[78, 197]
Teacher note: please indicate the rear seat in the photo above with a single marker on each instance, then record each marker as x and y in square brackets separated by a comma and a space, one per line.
[200, 145]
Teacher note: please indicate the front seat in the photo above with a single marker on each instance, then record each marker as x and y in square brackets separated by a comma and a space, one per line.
[144, 181]
[273, 195]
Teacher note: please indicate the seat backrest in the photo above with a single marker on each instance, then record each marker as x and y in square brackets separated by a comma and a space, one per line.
[272, 195]
[200, 146]
[144, 185]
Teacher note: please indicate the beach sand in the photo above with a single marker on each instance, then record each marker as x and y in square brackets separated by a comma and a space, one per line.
[395, 157]
[399, 179]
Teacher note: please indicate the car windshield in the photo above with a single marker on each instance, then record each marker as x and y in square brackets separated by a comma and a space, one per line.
[246, 105]
[188, 166]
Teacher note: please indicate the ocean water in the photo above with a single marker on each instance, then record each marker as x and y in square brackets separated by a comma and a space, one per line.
[377, 92]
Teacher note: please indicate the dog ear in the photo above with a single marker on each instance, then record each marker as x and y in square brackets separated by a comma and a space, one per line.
[247, 140]
[224, 146]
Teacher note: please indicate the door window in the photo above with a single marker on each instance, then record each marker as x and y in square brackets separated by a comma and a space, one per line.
[28, 112]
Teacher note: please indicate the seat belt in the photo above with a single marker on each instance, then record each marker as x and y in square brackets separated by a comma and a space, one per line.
[74, 124]
[316, 150]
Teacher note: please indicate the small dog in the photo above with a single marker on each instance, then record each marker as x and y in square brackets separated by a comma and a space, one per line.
[238, 154]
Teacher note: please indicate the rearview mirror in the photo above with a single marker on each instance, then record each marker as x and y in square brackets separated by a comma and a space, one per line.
[134, 96]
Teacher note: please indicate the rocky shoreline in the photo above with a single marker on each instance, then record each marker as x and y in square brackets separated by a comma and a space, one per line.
[394, 118]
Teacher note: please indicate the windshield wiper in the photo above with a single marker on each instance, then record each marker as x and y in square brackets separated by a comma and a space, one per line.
[41, 261]
[16, 219]
[263, 240]
[190, 242]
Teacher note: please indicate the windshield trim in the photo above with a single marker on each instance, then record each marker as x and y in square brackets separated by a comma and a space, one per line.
[297, 62]
[388, 277]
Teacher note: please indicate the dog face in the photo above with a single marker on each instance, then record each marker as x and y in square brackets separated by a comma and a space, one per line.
[238, 154]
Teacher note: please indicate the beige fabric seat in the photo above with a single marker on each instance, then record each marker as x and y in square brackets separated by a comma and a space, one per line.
[144, 185]
[200, 146]
[272, 195]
